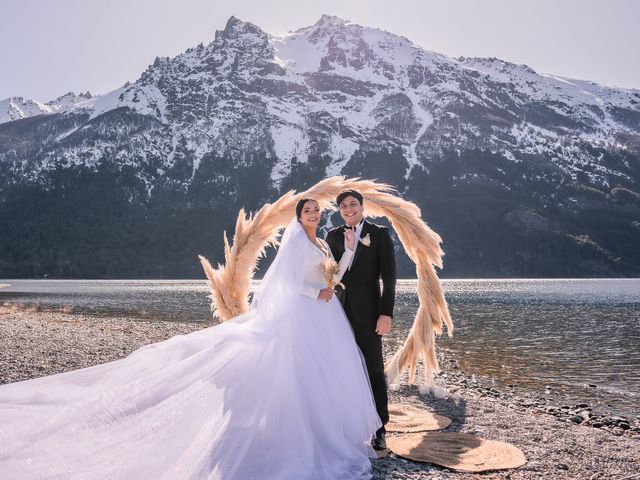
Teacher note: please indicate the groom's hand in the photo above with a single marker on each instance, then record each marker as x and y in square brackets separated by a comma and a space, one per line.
[384, 325]
[350, 237]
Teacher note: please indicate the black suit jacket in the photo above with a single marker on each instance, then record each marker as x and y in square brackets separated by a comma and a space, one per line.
[362, 298]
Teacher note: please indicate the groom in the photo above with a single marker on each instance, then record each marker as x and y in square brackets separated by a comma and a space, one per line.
[369, 311]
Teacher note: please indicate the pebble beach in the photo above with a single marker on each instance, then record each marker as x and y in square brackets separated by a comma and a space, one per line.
[559, 441]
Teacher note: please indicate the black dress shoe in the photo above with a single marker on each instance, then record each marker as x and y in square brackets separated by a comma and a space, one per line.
[379, 442]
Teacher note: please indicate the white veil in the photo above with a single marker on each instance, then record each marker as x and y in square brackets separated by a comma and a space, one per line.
[284, 276]
[34, 408]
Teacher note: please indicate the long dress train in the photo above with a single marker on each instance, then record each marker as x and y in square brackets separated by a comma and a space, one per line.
[280, 392]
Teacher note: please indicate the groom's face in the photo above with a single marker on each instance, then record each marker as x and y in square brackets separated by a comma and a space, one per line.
[351, 210]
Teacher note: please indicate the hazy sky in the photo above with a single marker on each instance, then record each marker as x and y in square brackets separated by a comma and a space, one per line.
[49, 47]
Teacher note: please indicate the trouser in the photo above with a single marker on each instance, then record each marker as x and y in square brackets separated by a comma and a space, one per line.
[370, 344]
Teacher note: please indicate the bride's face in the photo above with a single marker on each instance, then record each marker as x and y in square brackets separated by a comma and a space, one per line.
[310, 215]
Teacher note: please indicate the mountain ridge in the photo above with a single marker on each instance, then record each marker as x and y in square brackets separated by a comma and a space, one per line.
[242, 119]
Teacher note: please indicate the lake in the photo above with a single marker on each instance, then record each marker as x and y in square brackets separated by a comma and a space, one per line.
[581, 337]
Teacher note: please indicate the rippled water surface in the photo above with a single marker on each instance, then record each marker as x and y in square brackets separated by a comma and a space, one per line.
[579, 337]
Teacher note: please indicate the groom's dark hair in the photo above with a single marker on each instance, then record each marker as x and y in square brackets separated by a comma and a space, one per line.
[350, 193]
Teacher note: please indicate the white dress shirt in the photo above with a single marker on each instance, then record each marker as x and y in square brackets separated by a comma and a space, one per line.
[346, 248]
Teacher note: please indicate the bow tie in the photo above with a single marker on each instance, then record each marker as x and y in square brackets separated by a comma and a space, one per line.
[347, 227]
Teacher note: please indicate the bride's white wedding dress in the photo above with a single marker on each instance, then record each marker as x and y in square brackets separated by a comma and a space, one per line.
[280, 392]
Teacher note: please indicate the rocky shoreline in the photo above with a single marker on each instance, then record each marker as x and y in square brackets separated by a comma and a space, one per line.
[580, 413]
[560, 441]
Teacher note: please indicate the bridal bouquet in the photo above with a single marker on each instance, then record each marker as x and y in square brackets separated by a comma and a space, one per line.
[331, 272]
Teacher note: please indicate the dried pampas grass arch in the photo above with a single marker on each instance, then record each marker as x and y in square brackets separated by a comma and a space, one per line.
[230, 283]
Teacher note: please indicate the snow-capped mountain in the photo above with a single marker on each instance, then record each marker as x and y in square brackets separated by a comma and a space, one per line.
[69, 99]
[503, 159]
[16, 108]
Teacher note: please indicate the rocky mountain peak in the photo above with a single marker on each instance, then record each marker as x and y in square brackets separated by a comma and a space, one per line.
[498, 65]
[16, 108]
[333, 27]
[69, 99]
[237, 29]
[330, 19]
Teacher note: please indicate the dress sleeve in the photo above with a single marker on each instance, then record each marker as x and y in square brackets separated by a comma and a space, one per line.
[309, 290]
[306, 286]
[344, 261]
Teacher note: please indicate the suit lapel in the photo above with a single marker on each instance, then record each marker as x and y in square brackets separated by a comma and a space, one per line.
[339, 245]
[360, 247]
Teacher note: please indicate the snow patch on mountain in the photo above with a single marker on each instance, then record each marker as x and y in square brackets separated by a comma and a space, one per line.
[425, 118]
[341, 150]
[290, 142]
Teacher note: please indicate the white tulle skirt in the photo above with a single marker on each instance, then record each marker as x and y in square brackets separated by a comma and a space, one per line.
[268, 395]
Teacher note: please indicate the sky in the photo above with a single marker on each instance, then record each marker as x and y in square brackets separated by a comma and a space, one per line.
[50, 47]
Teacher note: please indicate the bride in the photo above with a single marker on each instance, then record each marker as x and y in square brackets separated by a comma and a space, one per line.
[280, 392]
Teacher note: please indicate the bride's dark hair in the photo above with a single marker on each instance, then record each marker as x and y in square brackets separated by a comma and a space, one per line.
[300, 205]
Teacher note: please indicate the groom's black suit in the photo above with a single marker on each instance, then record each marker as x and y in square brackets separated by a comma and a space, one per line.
[363, 302]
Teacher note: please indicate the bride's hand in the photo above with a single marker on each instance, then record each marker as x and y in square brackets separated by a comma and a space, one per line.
[350, 236]
[325, 294]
